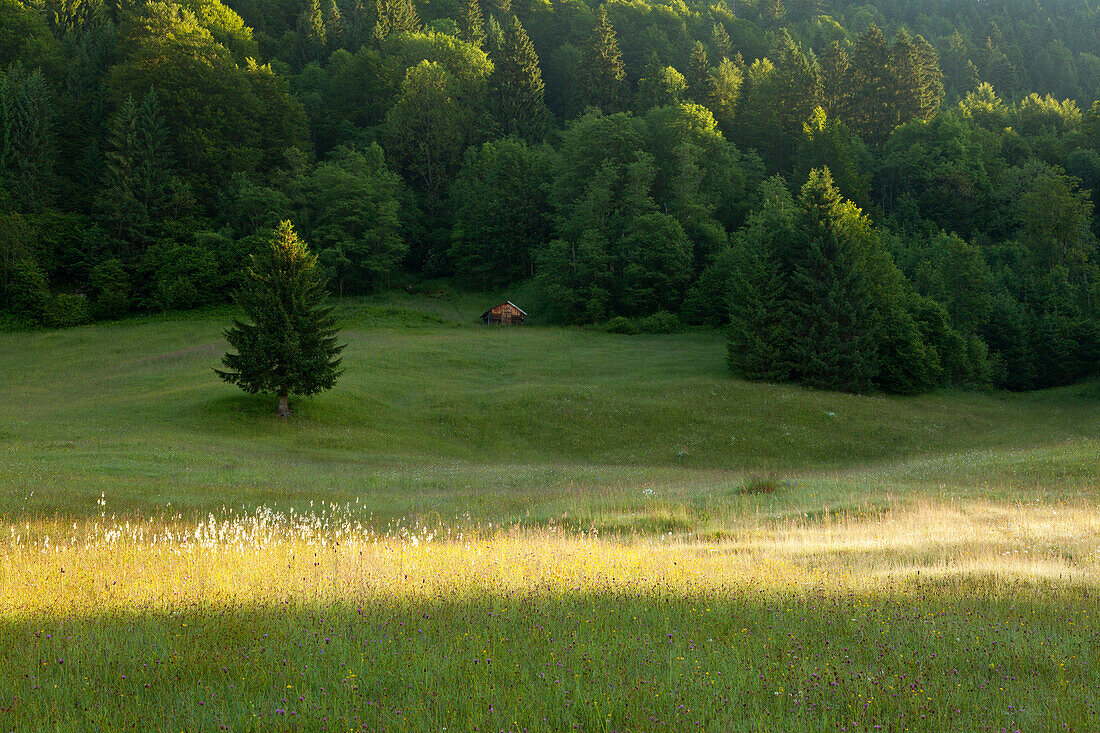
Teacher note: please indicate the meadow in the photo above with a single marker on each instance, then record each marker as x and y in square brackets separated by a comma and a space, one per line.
[532, 529]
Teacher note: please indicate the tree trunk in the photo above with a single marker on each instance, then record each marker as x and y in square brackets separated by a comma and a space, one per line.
[284, 408]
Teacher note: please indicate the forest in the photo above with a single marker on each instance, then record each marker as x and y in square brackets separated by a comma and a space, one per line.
[895, 196]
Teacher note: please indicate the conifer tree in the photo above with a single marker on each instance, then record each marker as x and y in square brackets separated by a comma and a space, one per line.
[312, 36]
[471, 27]
[959, 70]
[720, 38]
[117, 199]
[698, 74]
[291, 346]
[394, 16]
[26, 137]
[334, 26]
[871, 87]
[494, 35]
[516, 86]
[772, 13]
[140, 187]
[929, 76]
[606, 75]
[835, 93]
[830, 296]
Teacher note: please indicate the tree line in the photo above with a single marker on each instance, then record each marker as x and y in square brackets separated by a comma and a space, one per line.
[893, 196]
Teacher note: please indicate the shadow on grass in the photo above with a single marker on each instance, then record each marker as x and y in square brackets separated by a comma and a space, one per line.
[914, 658]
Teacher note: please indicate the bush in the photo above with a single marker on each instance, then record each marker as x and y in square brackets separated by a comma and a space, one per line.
[27, 291]
[66, 309]
[620, 324]
[186, 276]
[111, 287]
[660, 322]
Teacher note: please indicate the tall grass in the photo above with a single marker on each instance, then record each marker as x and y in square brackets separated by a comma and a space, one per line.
[940, 617]
[532, 529]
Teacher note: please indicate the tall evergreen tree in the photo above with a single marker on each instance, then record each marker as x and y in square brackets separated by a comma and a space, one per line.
[516, 86]
[830, 296]
[835, 92]
[471, 27]
[960, 73]
[918, 81]
[604, 70]
[394, 16]
[117, 199]
[500, 8]
[698, 74]
[772, 13]
[27, 137]
[759, 335]
[140, 189]
[359, 27]
[312, 35]
[869, 108]
[720, 39]
[291, 346]
[494, 35]
[334, 26]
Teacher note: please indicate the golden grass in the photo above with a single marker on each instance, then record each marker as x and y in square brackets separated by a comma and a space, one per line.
[95, 567]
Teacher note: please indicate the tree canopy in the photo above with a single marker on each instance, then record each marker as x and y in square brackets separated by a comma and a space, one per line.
[868, 196]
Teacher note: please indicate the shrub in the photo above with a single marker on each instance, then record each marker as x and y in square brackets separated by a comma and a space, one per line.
[27, 291]
[756, 484]
[620, 324]
[660, 322]
[66, 309]
[186, 275]
[111, 287]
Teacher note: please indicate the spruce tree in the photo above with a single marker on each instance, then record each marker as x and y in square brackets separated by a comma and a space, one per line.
[606, 76]
[471, 27]
[720, 38]
[394, 16]
[27, 154]
[494, 35]
[312, 36]
[358, 26]
[516, 86]
[772, 13]
[836, 93]
[334, 26]
[959, 70]
[871, 88]
[139, 186]
[830, 296]
[291, 346]
[117, 198]
[698, 74]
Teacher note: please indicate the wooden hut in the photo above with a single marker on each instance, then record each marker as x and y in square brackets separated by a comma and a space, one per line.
[505, 314]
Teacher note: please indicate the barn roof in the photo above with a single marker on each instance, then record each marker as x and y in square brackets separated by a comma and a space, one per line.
[507, 302]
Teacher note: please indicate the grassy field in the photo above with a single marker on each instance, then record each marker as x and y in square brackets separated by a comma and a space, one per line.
[532, 529]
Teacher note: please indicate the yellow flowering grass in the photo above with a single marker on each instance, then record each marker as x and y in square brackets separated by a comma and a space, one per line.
[927, 616]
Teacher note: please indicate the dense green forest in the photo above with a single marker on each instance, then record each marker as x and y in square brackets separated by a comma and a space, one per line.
[891, 196]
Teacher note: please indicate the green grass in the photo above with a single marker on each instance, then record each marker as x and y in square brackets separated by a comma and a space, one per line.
[439, 417]
[536, 529]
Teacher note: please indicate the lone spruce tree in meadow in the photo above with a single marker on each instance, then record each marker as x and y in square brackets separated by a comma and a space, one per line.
[291, 345]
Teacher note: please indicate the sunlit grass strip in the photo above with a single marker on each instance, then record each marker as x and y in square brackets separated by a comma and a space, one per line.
[112, 565]
[969, 616]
